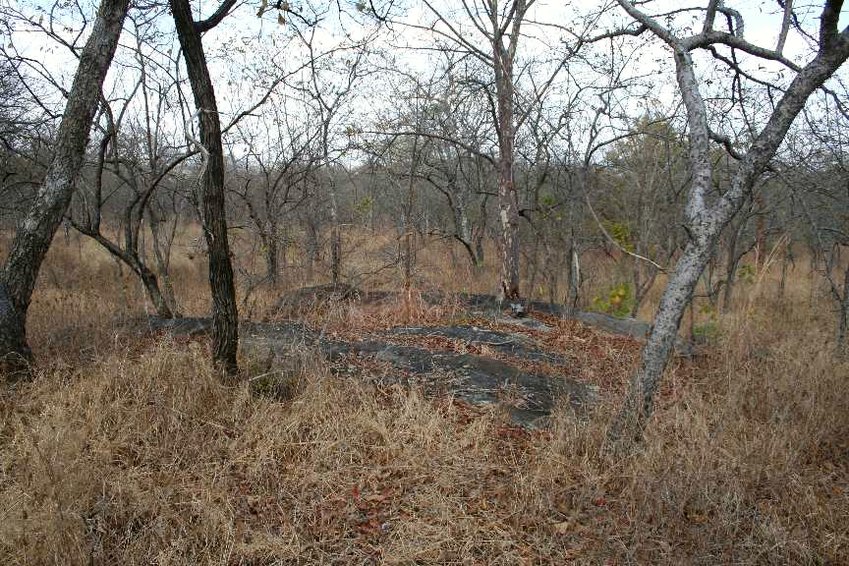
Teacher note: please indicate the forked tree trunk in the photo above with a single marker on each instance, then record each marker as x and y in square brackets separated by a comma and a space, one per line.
[33, 236]
[225, 317]
[151, 285]
[706, 221]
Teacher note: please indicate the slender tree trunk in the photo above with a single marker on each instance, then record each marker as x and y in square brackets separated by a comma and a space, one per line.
[508, 201]
[843, 319]
[463, 231]
[732, 260]
[33, 236]
[335, 235]
[760, 230]
[409, 231]
[643, 277]
[787, 258]
[225, 317]
[479, 233]
[162, 254]
[574, 274]
[313, 250]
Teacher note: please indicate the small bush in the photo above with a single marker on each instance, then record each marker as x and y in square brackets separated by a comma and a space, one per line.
[618, 301]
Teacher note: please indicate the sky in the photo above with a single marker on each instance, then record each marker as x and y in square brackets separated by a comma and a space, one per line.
[247, 51]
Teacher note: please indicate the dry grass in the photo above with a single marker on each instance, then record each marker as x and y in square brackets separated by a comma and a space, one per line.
[126, 450]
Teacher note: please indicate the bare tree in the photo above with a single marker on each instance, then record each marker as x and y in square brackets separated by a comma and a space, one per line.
[431, 138]
[492, 34]
[705, 216]
[34, 234]
[329, 89]
[133, 160]
[644, 197]
[275, 177]
[815, 174]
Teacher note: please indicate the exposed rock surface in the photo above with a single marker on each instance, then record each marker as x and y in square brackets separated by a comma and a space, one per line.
[436, 357]
[511, 344]
[488, 304]
[528, 397]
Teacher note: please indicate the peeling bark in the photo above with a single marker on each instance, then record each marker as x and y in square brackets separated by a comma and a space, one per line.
[508, 201]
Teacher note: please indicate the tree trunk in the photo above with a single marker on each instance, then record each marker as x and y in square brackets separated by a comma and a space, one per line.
[508, 204]
[272, 258]
[480, 233]
[508, 201]
[225, 318]
[162, 254]
[409, 259]
[335, 235]
[574, 275]
[732, 260]
[130, 259]
[843, 320]
[313, 247]
[658, 349]
[760, 230]
[151, 285]
[787, 258]
[33, 237]
[706, 221]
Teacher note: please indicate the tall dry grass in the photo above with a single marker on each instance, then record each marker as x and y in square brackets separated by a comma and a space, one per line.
[129, 450]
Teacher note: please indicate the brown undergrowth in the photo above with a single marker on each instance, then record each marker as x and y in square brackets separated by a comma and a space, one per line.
[129, 450]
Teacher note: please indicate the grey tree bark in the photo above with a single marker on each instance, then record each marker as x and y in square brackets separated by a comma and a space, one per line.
[33, 236]
[706, 220]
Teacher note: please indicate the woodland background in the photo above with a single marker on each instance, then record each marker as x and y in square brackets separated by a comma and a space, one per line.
[537, 152]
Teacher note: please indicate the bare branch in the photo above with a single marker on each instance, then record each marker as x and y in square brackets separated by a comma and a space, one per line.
[785, 26]
[215, 19]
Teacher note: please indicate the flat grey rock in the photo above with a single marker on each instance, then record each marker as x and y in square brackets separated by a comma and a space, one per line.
[511, 344]
[527, 397]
